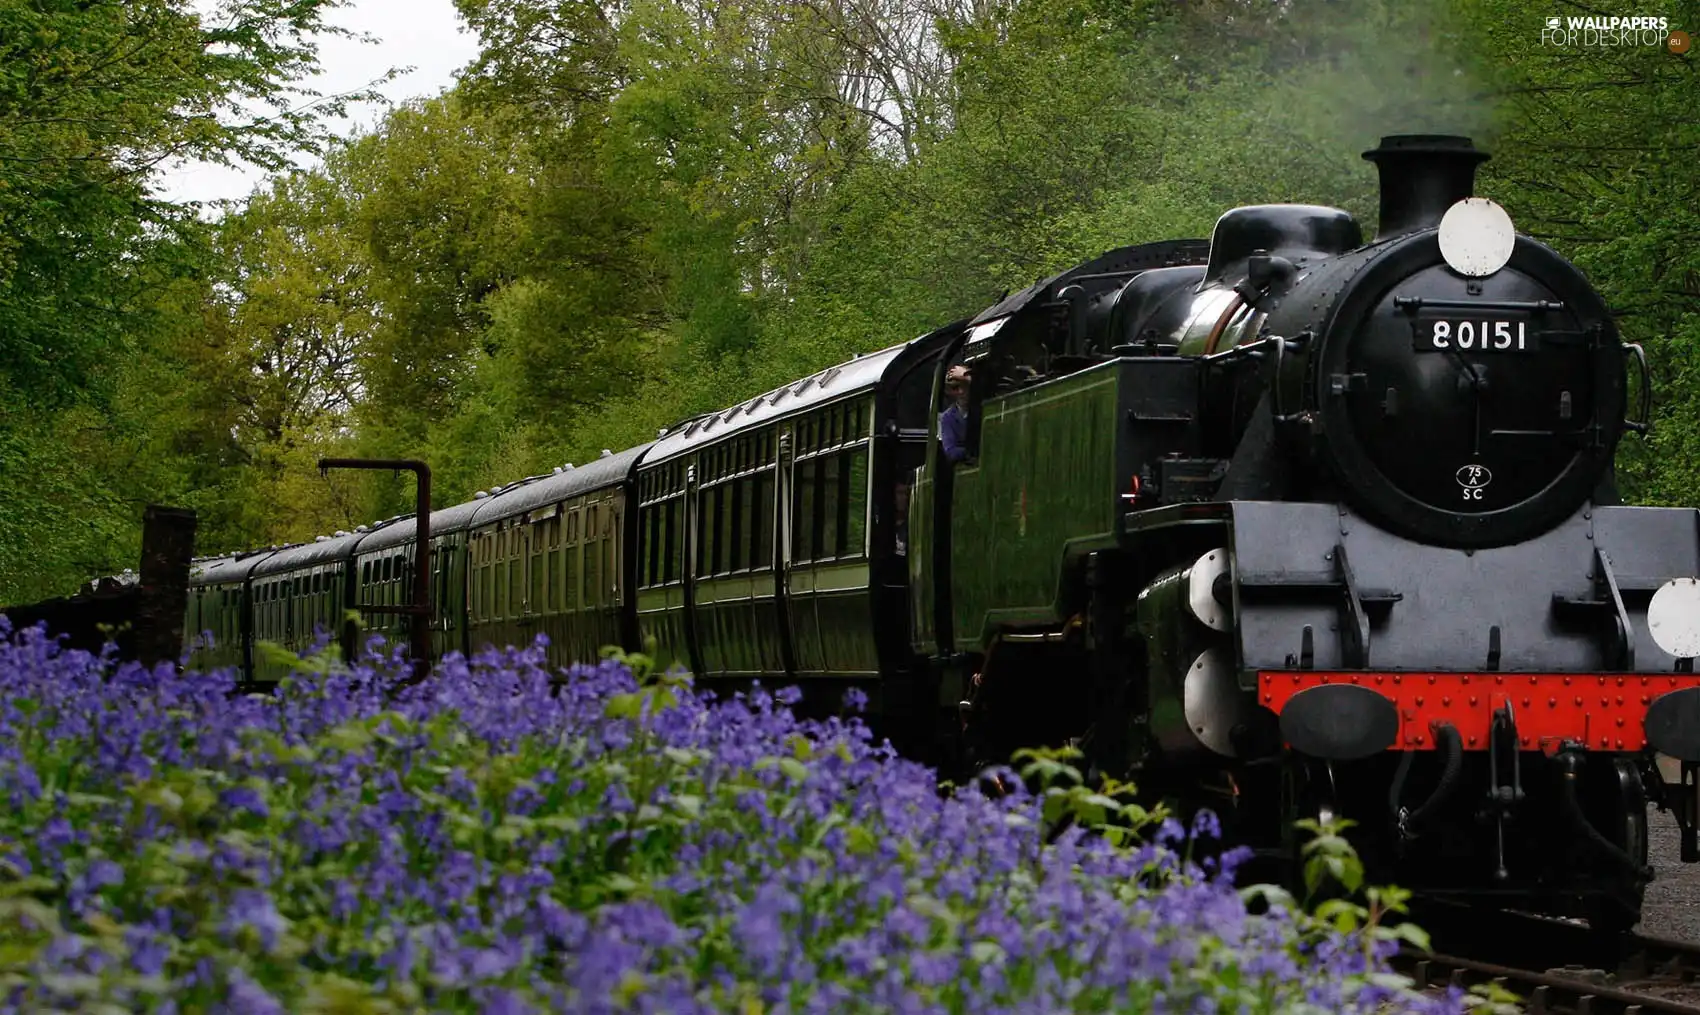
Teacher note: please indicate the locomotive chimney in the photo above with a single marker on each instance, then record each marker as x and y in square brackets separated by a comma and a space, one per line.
[1422, 175]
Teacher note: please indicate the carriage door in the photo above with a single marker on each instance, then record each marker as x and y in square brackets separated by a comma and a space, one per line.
[782, 496]
[692, 536]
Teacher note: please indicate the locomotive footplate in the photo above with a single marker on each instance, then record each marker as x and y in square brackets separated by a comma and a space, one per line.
[1602, 712]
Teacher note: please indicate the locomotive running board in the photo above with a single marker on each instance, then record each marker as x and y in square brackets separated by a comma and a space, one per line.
[1331, 714]
[1621, 633]
[1355, 602]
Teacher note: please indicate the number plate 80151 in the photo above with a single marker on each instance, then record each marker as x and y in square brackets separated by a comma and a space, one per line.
[1472, 335]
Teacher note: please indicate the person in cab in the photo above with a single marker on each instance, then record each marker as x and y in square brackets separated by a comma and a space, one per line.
[953, 421]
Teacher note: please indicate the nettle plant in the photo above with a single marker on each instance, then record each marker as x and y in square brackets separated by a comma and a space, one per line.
[501, 838]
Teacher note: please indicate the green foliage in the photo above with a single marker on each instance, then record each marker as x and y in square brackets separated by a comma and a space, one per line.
[628, 214]
[1111, 809]
[1598, 154]
[99, 280]
[92, 97]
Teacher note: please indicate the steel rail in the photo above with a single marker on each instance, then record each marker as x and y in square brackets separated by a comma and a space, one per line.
[1543, 993]
[1554, 964]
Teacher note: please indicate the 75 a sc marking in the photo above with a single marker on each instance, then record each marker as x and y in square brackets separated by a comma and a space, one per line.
[1474, 479]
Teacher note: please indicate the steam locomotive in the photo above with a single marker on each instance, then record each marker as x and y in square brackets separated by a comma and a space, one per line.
[1285, 523]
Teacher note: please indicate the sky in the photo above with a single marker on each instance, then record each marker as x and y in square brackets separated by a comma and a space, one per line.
[426, 35]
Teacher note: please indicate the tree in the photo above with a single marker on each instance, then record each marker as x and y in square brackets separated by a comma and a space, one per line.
[93, 96]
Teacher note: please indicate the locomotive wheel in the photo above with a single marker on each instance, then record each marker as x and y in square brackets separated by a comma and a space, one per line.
[1612, 916]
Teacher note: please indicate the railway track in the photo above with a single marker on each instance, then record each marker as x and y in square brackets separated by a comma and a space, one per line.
[1555, 965]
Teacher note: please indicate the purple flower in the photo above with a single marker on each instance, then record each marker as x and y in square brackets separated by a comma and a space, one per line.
[244, 798]
[495, 838]
[253, 910]
[246, 997]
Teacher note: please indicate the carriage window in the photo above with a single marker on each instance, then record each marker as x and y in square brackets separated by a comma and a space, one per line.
[516, 587]
[707, 512]
[592, 570]
[855, 525]
[670, 541]
[570, 599]
[731, 519]
[610, 577]
[475, 594]
[761, 521]
[708, 531]
[649, 556]
[536, 601]
[805, 516]
[552, 587]
[831, 506]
